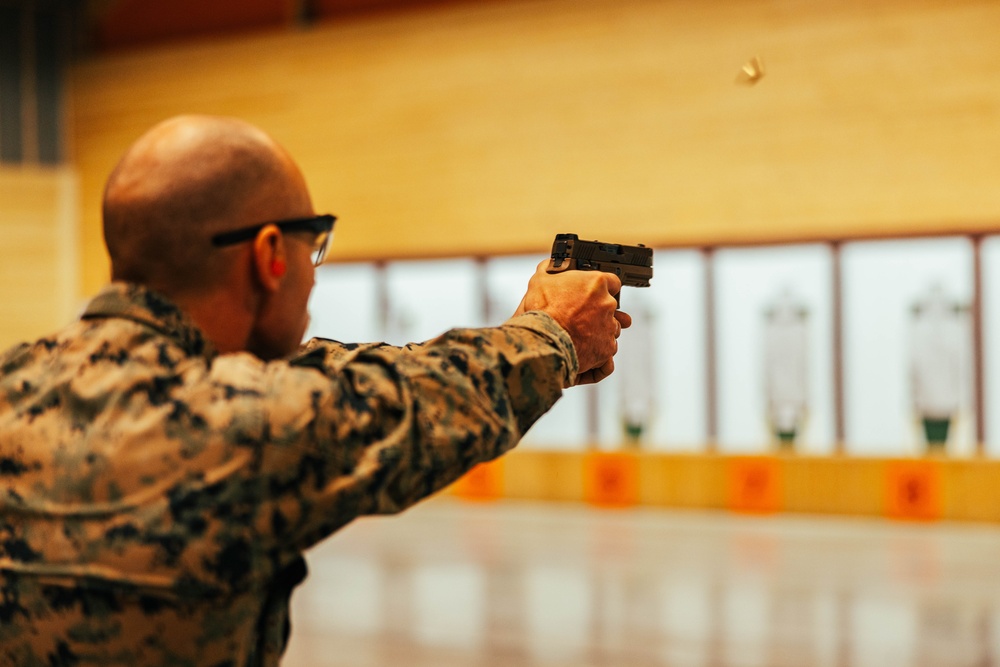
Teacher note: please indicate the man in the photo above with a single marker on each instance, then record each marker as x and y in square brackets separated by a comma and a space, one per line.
[163, 466]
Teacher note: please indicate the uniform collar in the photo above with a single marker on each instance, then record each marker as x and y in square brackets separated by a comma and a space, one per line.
[140, 304]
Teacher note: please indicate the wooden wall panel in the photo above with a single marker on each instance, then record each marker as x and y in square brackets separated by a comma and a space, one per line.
[543, 475]
[958, 490]
[682, 481]
[971, 493]
[39, 253]
[486, 128]
[835, 485]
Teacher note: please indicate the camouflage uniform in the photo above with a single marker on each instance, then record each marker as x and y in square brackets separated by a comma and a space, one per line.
[156, 497]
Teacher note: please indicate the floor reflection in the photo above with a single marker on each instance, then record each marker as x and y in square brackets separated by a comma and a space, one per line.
[544, 585]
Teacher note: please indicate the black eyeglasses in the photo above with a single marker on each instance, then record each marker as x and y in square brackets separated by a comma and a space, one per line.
[320, 225]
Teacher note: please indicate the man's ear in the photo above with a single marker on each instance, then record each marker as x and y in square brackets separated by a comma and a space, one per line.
[269, 258]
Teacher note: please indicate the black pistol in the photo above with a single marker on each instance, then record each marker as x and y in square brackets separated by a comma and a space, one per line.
[633, 264]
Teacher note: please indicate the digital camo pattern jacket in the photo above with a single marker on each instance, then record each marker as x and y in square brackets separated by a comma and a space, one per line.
[155, 497]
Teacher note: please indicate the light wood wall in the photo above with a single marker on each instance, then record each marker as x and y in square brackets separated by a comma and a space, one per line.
[927, 489]
[39, 253]
[485, 128]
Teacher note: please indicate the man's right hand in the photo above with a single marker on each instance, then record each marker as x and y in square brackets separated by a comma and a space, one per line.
[583, 303]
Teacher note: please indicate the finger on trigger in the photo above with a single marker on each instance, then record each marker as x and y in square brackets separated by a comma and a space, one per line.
[613, 282]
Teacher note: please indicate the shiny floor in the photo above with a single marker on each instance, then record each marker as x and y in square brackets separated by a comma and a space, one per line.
[451, 583]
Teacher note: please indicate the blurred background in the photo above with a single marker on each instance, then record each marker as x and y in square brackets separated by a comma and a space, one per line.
[809, 397]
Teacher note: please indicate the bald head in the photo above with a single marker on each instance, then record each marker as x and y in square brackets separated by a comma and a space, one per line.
[184, 181]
